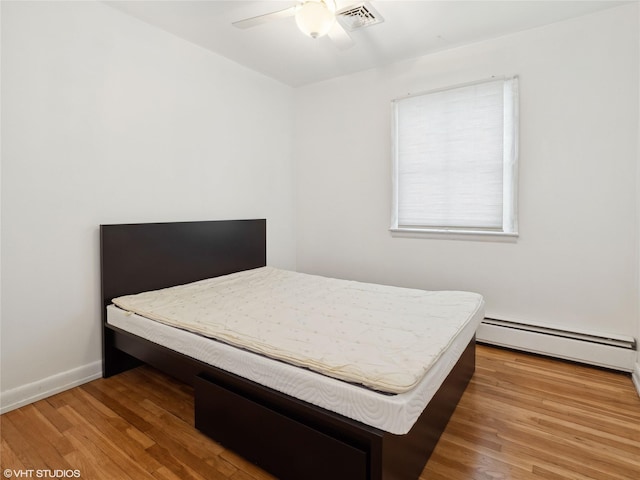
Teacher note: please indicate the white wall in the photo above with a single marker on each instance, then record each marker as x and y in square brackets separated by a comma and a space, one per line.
[636, 372]
[108, 120]
[575, 262]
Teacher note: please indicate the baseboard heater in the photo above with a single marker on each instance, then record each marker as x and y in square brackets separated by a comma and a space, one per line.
[610, 351]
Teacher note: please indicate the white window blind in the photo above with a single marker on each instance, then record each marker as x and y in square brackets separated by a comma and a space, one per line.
[455, 159]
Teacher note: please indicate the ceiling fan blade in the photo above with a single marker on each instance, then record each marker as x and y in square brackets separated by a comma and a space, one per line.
[267, 17]
[340, 37]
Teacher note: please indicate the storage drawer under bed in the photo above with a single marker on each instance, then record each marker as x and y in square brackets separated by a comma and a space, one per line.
[283, 446]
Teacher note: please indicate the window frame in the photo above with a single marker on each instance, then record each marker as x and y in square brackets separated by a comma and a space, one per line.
[509, 230]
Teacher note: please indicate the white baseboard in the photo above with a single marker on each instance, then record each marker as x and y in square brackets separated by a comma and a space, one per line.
[636, 377]
[20, 396]
[607, 356]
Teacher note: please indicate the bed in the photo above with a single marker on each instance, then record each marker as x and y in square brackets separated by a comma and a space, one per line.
[289, 431]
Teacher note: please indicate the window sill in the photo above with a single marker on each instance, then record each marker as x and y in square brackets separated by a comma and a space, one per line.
[444, 234]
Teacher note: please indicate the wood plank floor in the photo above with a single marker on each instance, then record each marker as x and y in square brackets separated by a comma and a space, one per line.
[522, 417]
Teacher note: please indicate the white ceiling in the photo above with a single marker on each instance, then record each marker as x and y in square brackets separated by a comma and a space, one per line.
[410, 29]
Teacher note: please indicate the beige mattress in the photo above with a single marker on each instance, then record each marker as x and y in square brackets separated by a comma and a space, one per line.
[385, 338]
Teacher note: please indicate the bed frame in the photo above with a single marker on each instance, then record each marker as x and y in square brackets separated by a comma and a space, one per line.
[288, 437]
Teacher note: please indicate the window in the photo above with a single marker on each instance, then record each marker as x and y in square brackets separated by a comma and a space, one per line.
[455, 160]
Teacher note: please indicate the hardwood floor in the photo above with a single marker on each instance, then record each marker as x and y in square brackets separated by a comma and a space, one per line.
[522, 417]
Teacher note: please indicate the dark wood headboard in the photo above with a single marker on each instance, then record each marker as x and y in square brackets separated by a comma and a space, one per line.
[148, 256]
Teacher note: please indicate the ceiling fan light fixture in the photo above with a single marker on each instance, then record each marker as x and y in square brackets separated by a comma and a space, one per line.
[315, 18]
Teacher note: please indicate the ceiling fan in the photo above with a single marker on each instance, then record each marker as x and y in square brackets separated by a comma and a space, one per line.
[317, 18]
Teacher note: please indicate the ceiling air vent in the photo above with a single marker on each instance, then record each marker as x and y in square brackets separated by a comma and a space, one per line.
[359, 16]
